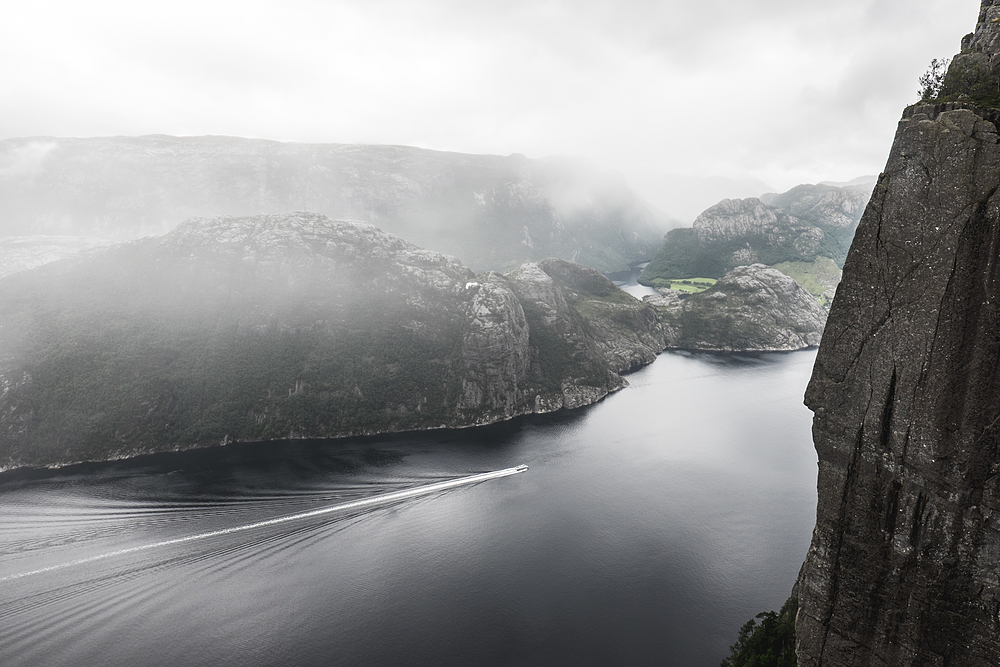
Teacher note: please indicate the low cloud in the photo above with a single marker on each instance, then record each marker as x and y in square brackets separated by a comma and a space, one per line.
[774, 91]
[24, 159]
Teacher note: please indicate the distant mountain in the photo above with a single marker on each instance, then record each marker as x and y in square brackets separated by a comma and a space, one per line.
[283, 326]
[491, 212]
[826, 206]
[801, 230]
[868, 180]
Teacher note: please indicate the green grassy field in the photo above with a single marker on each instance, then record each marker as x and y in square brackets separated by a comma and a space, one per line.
[817, 276]
[689, 285]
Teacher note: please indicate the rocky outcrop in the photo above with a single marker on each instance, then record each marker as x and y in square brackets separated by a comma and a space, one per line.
[974, 74]
[492, 212]
[902, 569]
[825, 205]
[576, 305]
[740, 219]
[752, 308]
[286, 326]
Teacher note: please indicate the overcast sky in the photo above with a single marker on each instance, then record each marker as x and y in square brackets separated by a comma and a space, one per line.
[679, 96]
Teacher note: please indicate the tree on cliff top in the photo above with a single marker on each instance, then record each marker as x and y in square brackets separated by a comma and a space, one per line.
[932, 80]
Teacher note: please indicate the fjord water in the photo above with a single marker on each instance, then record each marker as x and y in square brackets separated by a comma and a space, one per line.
[647, 530]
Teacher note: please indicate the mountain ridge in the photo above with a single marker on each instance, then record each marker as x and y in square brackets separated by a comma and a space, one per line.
[493, 212]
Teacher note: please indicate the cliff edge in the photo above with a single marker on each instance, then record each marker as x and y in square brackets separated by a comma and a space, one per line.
[902, 569]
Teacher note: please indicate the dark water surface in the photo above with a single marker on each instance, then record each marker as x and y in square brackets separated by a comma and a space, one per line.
[648, 529]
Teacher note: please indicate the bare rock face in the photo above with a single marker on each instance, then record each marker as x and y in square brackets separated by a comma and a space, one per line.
[903, 566]
[754, 231]
[827, 205]
[496, 356]
[752, 308]
[739, 218]
[902, 569]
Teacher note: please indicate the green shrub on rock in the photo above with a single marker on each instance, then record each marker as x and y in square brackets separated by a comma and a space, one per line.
[769, 643]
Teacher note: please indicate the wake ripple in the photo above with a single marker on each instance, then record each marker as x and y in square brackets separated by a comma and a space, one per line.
[379, 499]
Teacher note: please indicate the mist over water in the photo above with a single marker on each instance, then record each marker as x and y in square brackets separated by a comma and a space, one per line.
[647, 530]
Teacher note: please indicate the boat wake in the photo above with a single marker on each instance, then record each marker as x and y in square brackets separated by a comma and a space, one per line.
[371, 501]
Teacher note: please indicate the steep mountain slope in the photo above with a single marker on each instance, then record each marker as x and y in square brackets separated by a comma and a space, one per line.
[902, 569]
[801, 225]
[294, 326]
[492, 212]
[827, 205]
[834, 210]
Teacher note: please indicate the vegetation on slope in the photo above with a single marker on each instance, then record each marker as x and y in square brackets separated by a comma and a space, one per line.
[768, 640]
[681, 256]
[148, 348]
[820, 277]
[809, 224]
[290, 326]
[684, 285]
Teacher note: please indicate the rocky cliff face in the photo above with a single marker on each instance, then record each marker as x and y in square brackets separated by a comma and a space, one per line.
[294, 326]
[492, 212]
[903, 566]
[752, 308]
[586, 330]
[758, 230]
[825, 205]
[496, 354]
[732, 219]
